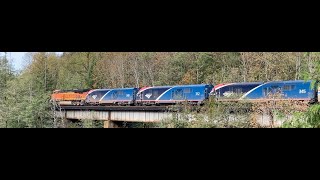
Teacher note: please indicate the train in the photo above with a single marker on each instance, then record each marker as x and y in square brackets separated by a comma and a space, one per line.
[196, 94]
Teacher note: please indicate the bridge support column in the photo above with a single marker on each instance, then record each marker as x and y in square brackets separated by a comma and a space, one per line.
[109, 124]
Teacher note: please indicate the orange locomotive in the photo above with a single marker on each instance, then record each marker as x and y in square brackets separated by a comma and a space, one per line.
[70, 97]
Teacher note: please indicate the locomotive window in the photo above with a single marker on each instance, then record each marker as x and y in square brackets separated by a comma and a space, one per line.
[288, 87]
[187, 90]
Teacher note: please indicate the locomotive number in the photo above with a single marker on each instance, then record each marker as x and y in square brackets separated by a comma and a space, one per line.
[302, 91]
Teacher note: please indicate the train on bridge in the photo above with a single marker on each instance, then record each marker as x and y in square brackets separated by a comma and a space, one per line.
[198, 94]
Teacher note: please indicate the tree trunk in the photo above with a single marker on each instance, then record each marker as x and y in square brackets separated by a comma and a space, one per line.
[244, 66]
[298, 66]
[136, 71]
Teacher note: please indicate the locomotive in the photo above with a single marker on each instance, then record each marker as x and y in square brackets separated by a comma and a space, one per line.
[297, 90]
[229, 91]
[70, 97]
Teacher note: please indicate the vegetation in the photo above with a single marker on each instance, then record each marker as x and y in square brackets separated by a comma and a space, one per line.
[24, 97]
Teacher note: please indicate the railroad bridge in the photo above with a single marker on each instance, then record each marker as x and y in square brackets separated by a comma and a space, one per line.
[146, 114]
[111, 114]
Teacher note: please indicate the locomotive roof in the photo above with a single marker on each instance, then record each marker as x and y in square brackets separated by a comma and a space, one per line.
[247, 83]
[111, 89]
[101, 89]
[73, 90]
[188, 85]
[122, 88]
[292, 81]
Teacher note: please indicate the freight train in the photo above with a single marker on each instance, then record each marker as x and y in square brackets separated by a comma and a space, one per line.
[193, 94]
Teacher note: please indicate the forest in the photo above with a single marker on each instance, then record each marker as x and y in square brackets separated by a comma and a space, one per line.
[25, 95]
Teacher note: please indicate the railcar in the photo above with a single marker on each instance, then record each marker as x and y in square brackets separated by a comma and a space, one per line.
[94, 96]
[161, 95]
[150, 95]
[233, 91]
[284, 90]
[121, 96]
[69, 97]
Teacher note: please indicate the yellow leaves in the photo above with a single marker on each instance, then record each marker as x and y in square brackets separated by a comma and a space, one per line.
[188, 78]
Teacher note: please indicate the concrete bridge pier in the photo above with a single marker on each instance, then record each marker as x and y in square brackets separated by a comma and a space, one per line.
[110, 124]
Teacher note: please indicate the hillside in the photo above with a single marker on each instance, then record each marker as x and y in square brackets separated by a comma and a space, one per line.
[24, 97]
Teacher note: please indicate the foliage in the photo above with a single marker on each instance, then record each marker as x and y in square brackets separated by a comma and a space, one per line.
[308, 119]
[24, 101]
[211, 115]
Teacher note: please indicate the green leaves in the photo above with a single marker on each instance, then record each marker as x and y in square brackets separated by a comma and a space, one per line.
[24, 101]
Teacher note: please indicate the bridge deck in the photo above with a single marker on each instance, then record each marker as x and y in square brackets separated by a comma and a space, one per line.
[129, 116]
[123, 108]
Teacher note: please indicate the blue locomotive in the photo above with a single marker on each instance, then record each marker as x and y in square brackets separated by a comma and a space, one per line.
[233, 90]
[121, 96]
[94, 96]
[161, 95]
[284, 90]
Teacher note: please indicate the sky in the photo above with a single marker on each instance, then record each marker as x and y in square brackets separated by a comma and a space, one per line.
[17, 59]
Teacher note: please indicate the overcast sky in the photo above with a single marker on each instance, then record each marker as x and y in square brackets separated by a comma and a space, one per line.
[17, 59]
